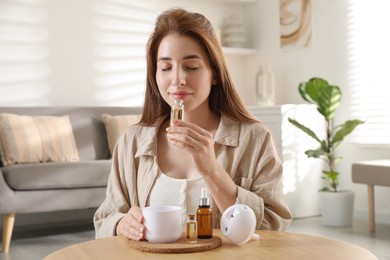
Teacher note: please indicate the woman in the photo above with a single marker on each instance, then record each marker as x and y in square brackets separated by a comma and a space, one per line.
[219, 145]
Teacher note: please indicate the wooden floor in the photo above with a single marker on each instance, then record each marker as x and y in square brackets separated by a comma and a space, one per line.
[33, 243]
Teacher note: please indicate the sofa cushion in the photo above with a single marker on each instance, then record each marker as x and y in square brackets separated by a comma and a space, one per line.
[117, 125]
[30, 139]
[57, 175]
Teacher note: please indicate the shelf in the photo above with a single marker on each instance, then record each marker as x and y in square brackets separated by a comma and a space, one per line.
[239, 51]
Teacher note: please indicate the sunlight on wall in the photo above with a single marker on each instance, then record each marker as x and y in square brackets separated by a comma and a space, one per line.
[297, 166]
[122, 30]
[368, 51]
[24, 69]
[301, 175]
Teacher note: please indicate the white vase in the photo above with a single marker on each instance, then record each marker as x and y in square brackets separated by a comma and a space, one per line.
[265, 86]
[337, 208]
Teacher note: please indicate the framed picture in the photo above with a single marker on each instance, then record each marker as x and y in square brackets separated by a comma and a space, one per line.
[295, 19]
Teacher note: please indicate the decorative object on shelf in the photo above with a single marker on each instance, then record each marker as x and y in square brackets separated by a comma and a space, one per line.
[327, 98]
[265, 86]
[296, 30]
[233, 34]
[239, 51]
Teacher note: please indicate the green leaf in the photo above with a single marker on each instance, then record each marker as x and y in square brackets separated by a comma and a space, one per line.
[344, 130]
[331, 175]
[302, 91]
[324, 146]
[304, 129]
[316, 153]
[314, 88]
[333, 178]
[329, 101]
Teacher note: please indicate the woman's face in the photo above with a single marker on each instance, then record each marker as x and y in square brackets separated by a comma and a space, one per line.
[183, 71]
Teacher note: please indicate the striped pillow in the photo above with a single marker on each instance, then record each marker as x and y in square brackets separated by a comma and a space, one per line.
[116, 125]
[28, 139]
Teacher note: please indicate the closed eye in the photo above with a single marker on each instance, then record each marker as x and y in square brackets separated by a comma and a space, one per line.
[192, 68]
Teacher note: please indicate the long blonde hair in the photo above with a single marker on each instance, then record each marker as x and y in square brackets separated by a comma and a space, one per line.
[223, 98]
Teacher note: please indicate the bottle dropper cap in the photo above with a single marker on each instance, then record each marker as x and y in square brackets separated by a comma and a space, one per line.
[204, 198]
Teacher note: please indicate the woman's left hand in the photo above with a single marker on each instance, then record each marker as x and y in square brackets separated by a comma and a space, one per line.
[197, 141]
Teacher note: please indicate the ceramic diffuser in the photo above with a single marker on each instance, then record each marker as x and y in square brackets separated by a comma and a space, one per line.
[238, 224]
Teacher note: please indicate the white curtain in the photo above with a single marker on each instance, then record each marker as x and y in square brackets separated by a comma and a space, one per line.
[368, 48]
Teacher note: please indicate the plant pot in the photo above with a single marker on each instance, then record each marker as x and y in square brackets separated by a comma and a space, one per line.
[337, 208]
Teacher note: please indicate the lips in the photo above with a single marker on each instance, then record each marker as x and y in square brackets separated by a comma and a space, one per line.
[180, 94]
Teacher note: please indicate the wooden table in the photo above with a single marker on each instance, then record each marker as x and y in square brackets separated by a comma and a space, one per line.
[272, 245]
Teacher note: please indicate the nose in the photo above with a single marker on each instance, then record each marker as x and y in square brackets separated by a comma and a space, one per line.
[178, 78]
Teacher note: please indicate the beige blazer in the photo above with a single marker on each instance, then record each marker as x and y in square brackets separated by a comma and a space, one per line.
[245, 150]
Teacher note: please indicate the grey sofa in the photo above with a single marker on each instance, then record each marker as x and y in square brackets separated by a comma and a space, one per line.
[54, 186]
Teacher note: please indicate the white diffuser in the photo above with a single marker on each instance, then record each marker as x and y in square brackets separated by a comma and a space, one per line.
[238, 224]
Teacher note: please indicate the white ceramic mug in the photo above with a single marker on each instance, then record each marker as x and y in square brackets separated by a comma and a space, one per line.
[163, 223]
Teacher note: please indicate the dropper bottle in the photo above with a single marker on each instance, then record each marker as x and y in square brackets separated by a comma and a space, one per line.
[204, 216]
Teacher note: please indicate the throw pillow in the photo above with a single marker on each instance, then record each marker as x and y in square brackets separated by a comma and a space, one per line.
[116, 125]
[34, 139]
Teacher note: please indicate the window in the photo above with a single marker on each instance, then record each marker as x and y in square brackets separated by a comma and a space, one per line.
[122, 29]
[368, 43]
[24, 69]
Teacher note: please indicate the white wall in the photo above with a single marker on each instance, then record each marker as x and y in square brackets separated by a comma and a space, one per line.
[55, 52]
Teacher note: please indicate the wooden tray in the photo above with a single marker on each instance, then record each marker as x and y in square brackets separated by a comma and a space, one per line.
[178, 247]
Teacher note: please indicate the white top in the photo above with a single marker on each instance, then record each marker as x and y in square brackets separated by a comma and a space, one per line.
[184, 193]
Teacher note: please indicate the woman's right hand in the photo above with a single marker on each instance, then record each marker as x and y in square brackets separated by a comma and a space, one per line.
[131, 225]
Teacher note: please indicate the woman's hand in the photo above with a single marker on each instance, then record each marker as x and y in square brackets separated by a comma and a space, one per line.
[131, 225]
[198, 142]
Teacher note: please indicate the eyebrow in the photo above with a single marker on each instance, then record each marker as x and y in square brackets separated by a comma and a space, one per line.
[188, 57]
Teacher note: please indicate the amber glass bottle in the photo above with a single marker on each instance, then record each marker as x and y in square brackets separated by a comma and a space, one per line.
[204, 216]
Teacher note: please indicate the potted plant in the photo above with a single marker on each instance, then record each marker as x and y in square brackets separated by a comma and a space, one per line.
[327, 98]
